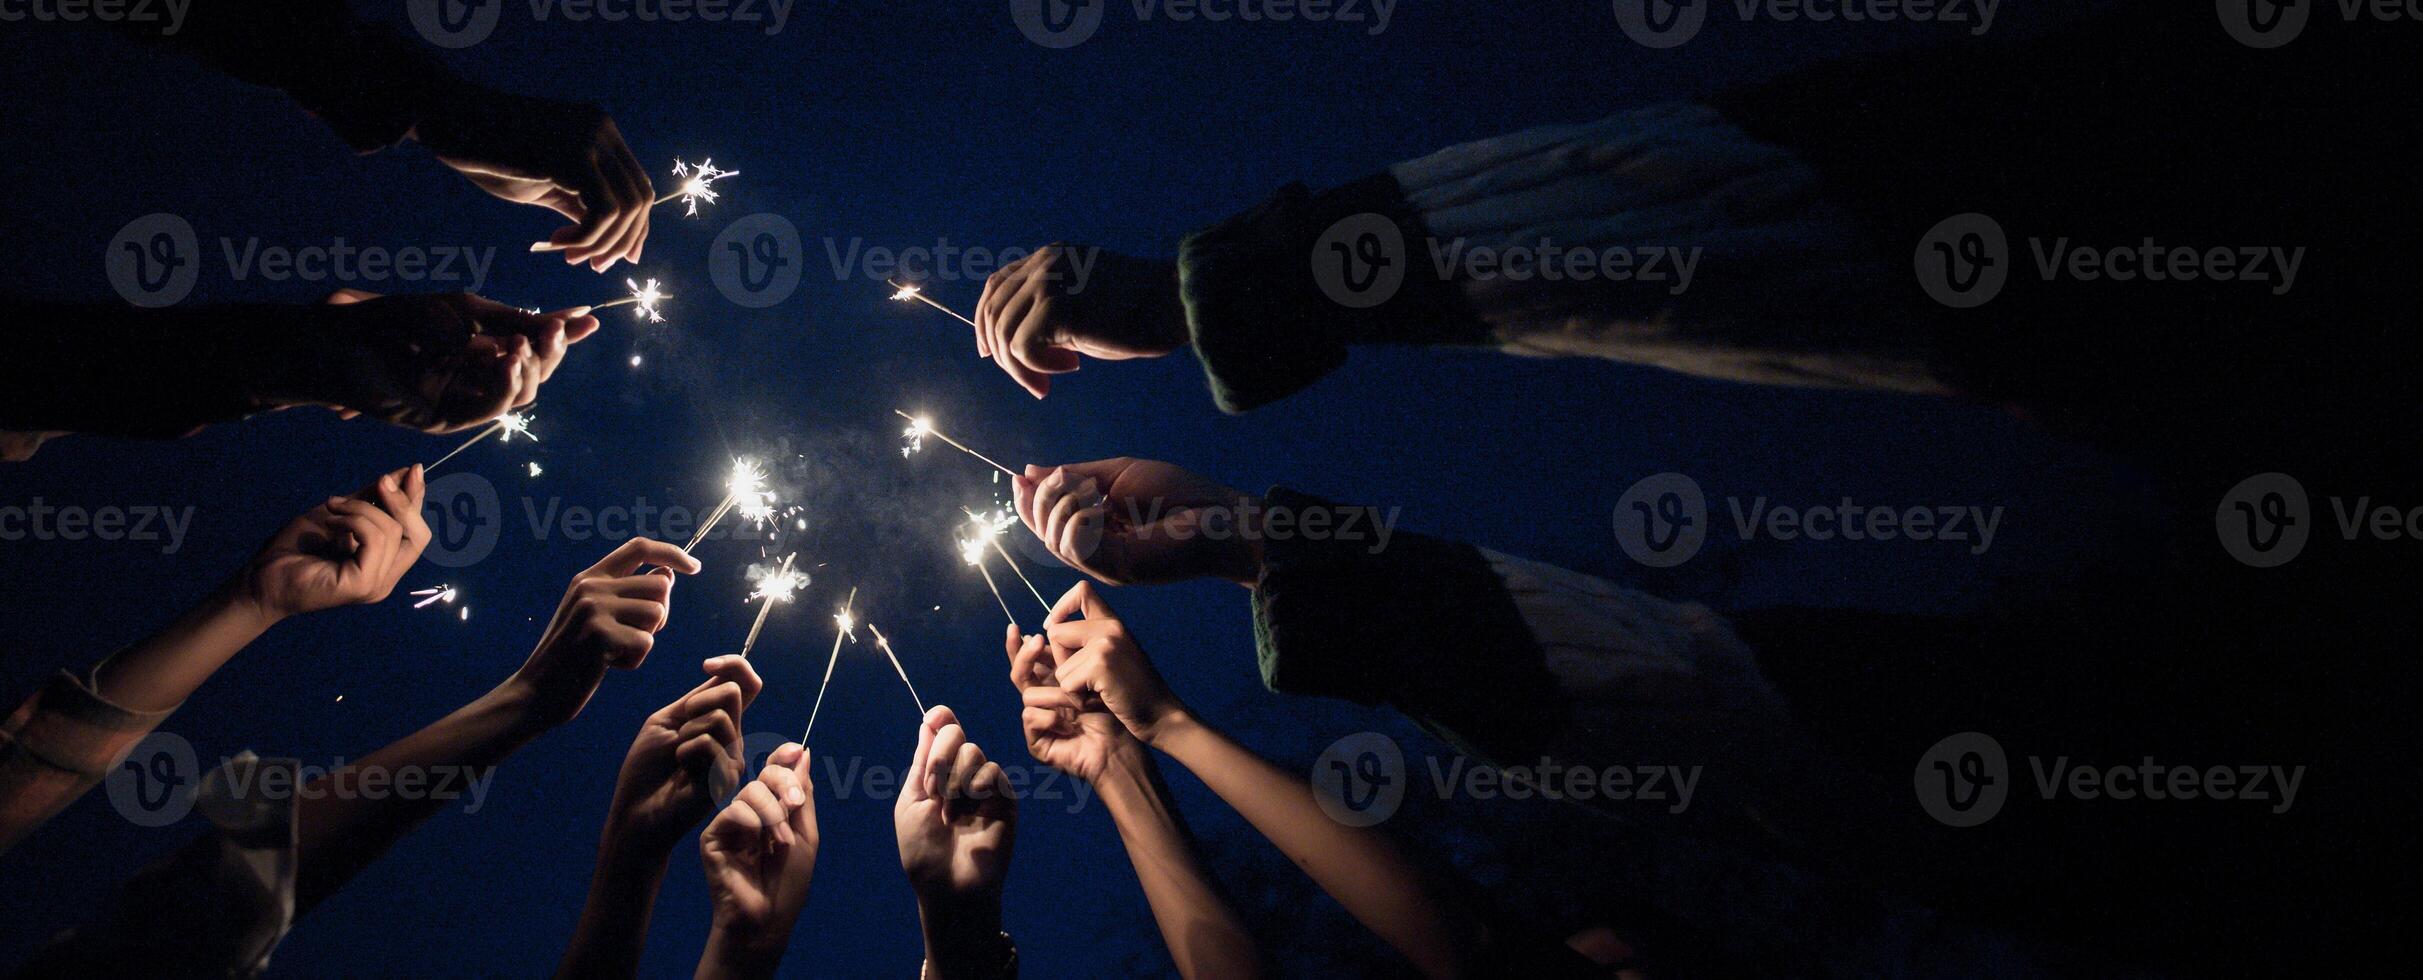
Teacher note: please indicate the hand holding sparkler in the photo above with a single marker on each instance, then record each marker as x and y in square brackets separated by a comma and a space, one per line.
[608, 618]
[1097, 658]
[1138, 521]
[685, 758]
[566, 157]
[1040, 313]
[437, 363]
[1063, 731]
[347, 551]
[956, 820]
[759, 854]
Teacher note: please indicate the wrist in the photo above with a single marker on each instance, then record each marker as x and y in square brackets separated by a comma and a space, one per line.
[1171, 726]
[737, 950]
[962, 941]
[297, 353]
[241, 605]
[517, 703]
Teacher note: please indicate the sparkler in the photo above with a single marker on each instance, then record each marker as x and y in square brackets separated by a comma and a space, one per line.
[921, 427]
[776, 586]
[745, 491]
[884, 644]
[697, 185]
[509, 425]
[992, 527]
[647, 302]
[843, 626]
[906, 293]
[971, 551]
[435, 594]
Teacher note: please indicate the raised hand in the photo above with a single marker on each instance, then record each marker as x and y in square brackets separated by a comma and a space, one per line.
[347, 551]
[1098, 664]
[1139, 521]
[567, 157]
[1063, 731]
[760, 853]
[1040, 313]
[956, 821]
[438, 363]
[686, 756]
[609, 617]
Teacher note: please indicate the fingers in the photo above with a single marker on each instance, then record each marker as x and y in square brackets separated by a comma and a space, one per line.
[992, 786]
[1081, 599]
[348, 296]
[790, 755]
[773, 818]
[913, 786]
[717, 724]
[786, 784]
[966, 762]
[637, 552]
[1051, 699]
[601, 204]
[627, 226]
[721, 698]
[941, 757]
[1030, 666]
[739, 672]
[1035, 345]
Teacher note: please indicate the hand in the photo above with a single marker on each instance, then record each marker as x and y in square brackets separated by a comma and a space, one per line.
[1128, 521]
[1064, 731]
[759, 854]
[686, 758]
[956, 822]
[438, 363]
[1098, 663]
[1040, 312]
[609, 617]
[566, 157]
[348, 551]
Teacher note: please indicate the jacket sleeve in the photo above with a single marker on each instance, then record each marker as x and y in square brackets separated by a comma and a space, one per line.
[1663, 236]
[366, 83]
[113, 370]
[57, 746]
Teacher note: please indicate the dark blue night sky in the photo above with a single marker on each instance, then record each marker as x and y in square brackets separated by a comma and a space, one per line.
[897, 125]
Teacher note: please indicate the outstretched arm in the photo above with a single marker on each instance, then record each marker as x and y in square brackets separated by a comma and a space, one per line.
[608, 618]
[1360, 867]
[1204, 936]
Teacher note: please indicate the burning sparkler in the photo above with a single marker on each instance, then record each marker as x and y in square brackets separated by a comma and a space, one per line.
[991, 527]
[508, 425]
[696, 184]
[971, 551]
[921, 427]
[884, 644]
[745, 491]
[647, 302]
[775, 586]
[906, 293]
[844, 627]
[435, 594]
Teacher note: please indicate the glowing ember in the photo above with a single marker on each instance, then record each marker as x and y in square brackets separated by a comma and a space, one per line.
[697, 183]
[435, 594]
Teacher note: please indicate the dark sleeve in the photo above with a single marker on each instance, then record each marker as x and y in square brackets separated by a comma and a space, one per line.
[1424, 625]
[111, 370]
[1260, 319]
[366, 83]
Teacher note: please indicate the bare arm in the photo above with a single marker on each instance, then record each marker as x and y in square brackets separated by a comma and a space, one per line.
[1204, 935]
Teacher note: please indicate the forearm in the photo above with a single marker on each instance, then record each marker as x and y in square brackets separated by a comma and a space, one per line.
[113, 370]
[613, 928]
[962, 939]
[341, 828]
[1358, 866]
[1203, 933]
[160, 672]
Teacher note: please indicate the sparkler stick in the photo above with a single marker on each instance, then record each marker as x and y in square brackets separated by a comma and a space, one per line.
[745, 491]
[510, 424]
[648, 301]
[919, 428]
[993, 529]
[775, 587]
[884, 644]
[907, 293]
[697, 185]
[842, 624]
[971, 550]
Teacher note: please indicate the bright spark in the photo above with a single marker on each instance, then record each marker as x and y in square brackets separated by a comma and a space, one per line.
[750, 497]
[435, 594]
[514, 424]
[697, 183]
[919, 428]
[906, 294]
[646, 301]
[535, 471]
[779, 583]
